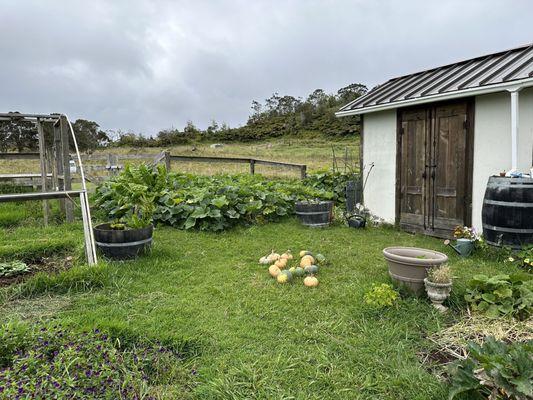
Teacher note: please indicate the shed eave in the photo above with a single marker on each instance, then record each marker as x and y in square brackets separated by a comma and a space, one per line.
[512, 85]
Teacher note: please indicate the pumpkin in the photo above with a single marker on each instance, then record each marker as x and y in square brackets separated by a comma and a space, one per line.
[264, 260]
[287, 255]
[304, 253]
[272, 257]
[284, 277]
[311, 281]
[274, 271]
[307, 260]
[320, 259]
[311, 270]
[299, 271]
[292, 270]
[281, 263]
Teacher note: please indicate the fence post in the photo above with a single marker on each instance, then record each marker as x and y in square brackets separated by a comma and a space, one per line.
[167, 160]
[65, 160]
[303, 171]
[252, 166]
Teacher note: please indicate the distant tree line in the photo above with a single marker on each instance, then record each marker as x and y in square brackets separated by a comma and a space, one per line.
[278, 116]
[23, 136]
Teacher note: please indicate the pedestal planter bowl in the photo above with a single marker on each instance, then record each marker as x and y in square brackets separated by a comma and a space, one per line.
[314, 213]
[408, 266]
[437, 293]
[122, 244]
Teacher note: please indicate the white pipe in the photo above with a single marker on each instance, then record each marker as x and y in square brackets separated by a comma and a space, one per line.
[514, 130]
[84, 199]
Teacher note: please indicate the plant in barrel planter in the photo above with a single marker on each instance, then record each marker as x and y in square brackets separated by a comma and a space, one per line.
[130, 235]
[314, 213]
[466, 239]
[438, 285]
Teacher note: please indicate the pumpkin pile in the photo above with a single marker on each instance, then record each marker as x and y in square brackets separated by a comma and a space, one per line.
[284, 267]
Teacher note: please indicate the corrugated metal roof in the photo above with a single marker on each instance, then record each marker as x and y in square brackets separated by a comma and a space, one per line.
[479, 72]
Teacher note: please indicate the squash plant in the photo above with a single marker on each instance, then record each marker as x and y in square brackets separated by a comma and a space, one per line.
[501, 294]
[201, 202]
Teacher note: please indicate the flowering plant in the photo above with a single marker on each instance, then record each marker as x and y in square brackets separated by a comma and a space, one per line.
[53, 363]
[523, 258]
[464, 232]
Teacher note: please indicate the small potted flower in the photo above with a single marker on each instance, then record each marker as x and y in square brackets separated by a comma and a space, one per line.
[465, 240]
[438, 285]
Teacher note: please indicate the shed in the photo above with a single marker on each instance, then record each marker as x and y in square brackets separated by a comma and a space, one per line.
[434, 138]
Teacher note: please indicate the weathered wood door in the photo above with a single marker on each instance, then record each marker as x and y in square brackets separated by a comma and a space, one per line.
[434, 178]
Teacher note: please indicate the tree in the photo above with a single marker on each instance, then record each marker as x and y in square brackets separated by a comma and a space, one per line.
[351, 92]
[88, 135]
[18, 134]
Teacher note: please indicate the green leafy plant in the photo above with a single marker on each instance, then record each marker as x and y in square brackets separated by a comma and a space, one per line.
[496, 370]
[440, 274]
[501, 294]
[200, 202]
[381, 296]
[13, 268]
[522, 258]
[332, 181]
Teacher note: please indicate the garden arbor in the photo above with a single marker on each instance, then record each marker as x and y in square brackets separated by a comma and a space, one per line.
[54, 163]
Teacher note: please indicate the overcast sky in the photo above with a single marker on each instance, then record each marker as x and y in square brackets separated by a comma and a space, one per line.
[149, 65]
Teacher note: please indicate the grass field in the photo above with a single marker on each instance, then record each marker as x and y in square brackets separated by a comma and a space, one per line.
[244, 336]
[317, 154]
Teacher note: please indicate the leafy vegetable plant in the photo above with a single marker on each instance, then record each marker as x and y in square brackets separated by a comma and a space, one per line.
[13, 268]
[522, 258]
[381, 296]
[201, 202]
[501, 294]
[496, 370]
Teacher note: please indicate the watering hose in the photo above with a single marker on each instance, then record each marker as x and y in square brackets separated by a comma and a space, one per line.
[84, 190]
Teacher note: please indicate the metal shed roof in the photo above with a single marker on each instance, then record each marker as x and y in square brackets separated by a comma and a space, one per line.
[485, 74]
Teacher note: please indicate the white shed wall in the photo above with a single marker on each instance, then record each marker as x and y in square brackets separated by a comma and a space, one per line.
[492, 141]
[379, 147]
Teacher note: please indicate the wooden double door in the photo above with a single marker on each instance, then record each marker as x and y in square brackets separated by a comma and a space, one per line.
[434, 178]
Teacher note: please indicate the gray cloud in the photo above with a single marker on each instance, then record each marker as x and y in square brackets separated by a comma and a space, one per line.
[148, 65]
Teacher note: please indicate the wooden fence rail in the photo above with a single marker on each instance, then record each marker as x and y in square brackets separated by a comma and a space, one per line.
[112, 161]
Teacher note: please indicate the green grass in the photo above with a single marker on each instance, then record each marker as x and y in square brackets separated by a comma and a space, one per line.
[245, 335]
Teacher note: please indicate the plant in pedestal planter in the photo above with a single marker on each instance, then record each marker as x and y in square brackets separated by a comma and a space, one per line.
[438, 285]
[466, 239]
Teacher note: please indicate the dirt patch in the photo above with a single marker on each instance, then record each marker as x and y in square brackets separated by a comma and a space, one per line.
[50, 265]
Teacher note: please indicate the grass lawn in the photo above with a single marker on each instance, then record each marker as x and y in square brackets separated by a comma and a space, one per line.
[243, 335]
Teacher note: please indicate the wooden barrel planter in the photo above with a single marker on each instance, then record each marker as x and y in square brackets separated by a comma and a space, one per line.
[408, 266]
[122, 244]
[315, 214]
[507, 214]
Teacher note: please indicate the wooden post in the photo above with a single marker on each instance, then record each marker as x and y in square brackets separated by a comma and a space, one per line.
[58, 164]
[167, 161]
[42, 160]
[303, 171]
[252, 166]
[65, 162]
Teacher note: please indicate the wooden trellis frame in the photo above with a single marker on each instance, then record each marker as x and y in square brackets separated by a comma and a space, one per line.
[54, 163]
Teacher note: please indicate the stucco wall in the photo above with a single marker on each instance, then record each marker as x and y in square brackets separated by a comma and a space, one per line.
[492, 141]
[379, 147]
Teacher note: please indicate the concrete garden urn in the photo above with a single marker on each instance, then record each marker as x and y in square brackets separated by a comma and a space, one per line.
[437, 293]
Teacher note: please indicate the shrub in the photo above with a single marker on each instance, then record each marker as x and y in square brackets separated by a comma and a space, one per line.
[202, 202]
[501, 294]
[381, 296]
[56, 363]
[332, 181]
[495, 370]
